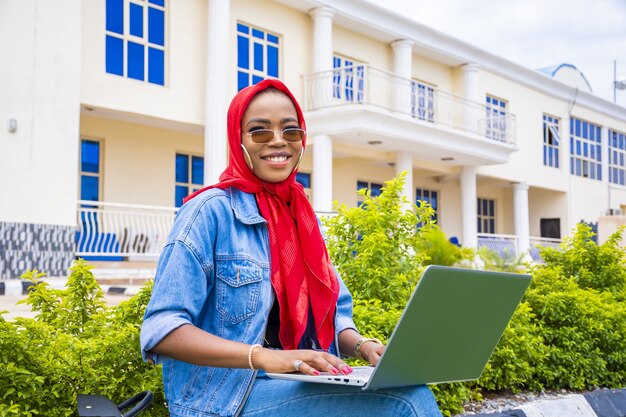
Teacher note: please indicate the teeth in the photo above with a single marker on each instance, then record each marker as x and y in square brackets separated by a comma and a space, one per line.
[276, 158]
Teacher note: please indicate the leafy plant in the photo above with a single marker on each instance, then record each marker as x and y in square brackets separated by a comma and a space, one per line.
[75, 344]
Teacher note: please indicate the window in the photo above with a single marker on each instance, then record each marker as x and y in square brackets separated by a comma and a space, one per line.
[422, 101]
[189, 176]
[429, 196]
[257, 55]
[551, 140]
[496, 119]
[348, 79]
[617, 149]
[305, 180]
[585, 149]
[486, 211]
[374, 188]
[90, 161]
[135, 39]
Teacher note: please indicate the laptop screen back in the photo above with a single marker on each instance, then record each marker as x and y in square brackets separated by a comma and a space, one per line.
[450, 327]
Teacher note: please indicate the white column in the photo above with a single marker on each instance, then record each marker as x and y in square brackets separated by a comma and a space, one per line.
[322, 173]
[320, 90]
[470, 92]
[403, 68]
[568, 223]
[604, 142]
[468, 207]
[216, 91]
[521, 219]
[404, 162]
[322, 38]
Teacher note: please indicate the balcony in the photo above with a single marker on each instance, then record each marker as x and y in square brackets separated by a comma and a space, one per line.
[115, 232]
[360, 103]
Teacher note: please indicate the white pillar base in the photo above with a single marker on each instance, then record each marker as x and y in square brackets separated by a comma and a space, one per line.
[520, 215]
[468, 207]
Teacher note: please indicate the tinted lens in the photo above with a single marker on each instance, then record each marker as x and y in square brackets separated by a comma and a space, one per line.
[293, 135]
[262, 136]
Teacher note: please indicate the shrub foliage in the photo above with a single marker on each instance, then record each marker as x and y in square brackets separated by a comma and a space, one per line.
[75, 344]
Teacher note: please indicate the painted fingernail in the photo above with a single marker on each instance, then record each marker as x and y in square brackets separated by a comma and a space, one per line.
[316, 372]
[334, 371]
[346, 370]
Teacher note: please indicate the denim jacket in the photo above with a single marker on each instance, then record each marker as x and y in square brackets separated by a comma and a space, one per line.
[214, 273]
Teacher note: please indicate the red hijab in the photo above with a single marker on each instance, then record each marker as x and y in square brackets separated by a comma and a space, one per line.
[302, 275]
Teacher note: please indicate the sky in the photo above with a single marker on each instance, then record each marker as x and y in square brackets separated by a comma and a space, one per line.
[589, 34]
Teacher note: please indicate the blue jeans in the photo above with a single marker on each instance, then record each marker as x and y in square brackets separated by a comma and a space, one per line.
[273, 397]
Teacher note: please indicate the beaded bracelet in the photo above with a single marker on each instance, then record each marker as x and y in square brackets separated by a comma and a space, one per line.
[359, 344]
[250, 352]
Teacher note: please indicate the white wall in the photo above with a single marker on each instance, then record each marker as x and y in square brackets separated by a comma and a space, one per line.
[39, 81]
[547, 204]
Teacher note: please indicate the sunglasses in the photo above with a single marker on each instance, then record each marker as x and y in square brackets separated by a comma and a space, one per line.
[265, 135]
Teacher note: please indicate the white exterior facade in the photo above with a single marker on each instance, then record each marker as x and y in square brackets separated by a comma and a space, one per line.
[417, 104]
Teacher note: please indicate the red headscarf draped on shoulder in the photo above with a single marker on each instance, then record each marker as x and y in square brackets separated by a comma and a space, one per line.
[302, 275]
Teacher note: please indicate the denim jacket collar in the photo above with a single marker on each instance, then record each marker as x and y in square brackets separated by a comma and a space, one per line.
[245, 207]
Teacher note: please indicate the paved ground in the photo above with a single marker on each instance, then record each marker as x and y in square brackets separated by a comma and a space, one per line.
[8, 303]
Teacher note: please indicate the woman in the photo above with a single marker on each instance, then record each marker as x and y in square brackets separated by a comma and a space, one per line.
[245, 285]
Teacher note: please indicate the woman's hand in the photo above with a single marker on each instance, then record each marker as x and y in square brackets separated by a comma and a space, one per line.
[372, 351]
[313, 362]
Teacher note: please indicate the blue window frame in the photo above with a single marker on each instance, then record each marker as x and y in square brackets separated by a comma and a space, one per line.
[135, 39]
[428, 196]
[496, 118]
[617, 155]
[551, 141]
[90, 161]
[257, 55]
[348, 79]
[422, 101]
[585, 149]
[486, 215]
[374, 188]
[189, 174]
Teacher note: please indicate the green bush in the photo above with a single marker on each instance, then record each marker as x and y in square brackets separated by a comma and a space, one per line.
[75, 344]
[375, 249]
[579, 298]
[380, 252]
[569, 331]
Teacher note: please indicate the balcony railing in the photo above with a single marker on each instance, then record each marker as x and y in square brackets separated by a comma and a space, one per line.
[117, 231]
[504, 245]
[539, 242]
[369, 86]
[114, 231]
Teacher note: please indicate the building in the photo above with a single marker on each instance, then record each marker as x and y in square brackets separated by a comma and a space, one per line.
[116, 109]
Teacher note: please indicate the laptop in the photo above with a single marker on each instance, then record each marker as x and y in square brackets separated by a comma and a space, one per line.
[447, 332]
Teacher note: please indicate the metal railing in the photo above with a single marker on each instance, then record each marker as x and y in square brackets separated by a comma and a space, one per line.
[504, 245]
[369, 86]
[539, 242]
[112, 230]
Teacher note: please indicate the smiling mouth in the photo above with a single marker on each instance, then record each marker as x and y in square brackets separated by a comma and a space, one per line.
[276, 158]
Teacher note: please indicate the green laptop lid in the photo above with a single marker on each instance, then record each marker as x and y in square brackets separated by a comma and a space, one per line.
[450, 327]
